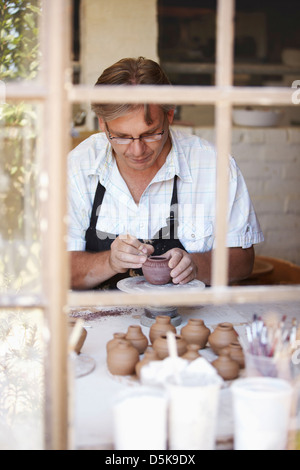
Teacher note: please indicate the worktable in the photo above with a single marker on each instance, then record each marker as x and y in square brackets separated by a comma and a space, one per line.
[94, 393]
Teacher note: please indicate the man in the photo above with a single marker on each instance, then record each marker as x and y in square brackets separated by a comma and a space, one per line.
[138, 187]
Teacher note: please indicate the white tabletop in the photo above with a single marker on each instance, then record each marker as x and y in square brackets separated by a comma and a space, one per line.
[94, 393]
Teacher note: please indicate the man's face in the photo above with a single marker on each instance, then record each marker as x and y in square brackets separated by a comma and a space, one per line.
[138, 154]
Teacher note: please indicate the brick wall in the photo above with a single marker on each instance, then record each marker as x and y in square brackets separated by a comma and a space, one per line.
[270, 162]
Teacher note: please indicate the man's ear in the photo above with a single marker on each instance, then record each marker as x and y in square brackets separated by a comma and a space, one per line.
[170, 115]
[101, 124]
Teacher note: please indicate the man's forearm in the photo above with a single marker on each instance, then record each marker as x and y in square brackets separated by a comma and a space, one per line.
[88, 270]
[240, 264]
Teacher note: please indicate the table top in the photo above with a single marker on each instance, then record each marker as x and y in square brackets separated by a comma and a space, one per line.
[94, 394]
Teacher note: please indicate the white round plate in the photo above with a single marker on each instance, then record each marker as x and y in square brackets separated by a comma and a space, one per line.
[139, 284]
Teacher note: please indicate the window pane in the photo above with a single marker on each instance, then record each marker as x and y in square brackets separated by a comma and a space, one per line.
[19, 207]
[21, 380]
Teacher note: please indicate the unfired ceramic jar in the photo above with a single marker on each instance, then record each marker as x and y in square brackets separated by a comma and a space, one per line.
[226, 367]
[116, 337]
[137, 338]
[156, 270]
[237, 353]
[160, 345]
[122, 358]
[192, 352]
[222, 336]
[150, 355]
[195, 332]
[160, 327]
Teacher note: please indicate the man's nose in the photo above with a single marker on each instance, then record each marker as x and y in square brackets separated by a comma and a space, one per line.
[136, 147]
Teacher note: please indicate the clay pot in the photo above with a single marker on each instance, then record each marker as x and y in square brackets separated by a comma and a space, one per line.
[226, 367]
[116, 337]
[156, 270]
[150, 355]
[122, 358]
[237, 354]
[195, 332]
[137, 338]
[81, 339]
[160, 327]
[192, 352]
[223, 335]
[160, 345]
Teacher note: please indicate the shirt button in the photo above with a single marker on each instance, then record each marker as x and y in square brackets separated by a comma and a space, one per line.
[193, 235]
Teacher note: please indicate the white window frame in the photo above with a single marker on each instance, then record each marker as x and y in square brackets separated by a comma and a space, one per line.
[55, 91]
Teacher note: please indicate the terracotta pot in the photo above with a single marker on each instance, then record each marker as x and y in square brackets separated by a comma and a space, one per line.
[226, 367]
[160, 345]
[116, 337]
[192, 352]
[160, 327]
[150, 355]
[156, 270]
[237, 353]
[195, 332]
[122, 358]
[223, 335]
[137, 338]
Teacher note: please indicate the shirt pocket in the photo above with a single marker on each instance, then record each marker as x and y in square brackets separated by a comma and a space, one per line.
[197, 238]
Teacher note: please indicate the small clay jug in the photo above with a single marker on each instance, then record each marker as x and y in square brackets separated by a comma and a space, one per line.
[156, 270]
[223, 335]
[116, 336]
[195, 332]
[192, 352]
[226, 367]
[160, 327]
[137, 338]
[237, 353]
[160, 345]
[150, 355]
[122, 358]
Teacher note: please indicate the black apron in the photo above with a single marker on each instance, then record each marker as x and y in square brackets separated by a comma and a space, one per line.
[165, 239]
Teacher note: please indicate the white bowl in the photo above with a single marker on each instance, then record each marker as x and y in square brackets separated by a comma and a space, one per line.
[256, 118]
[291, 57]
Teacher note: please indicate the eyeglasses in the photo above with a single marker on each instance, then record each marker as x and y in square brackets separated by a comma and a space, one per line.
[142, 138]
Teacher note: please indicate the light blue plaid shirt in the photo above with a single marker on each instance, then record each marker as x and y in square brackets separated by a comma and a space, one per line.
[194, 161]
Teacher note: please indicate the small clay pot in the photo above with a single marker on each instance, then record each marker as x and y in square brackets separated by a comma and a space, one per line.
[116, 337]
[137, 338]
[150, 355]
[156, 270]
[195, 332]
[226, 367]
[237, 353]
[192, 352]
[122, 358]
[223, 335]
[160, 345]
[160, 327]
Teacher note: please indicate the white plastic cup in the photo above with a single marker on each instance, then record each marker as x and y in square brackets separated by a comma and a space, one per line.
[262, 412]
[193, 413]
[140, 419]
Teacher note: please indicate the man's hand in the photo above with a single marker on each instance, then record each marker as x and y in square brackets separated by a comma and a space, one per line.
[183, 267]
[127, 252]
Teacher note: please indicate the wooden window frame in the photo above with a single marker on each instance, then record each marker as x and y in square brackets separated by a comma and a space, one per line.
[55, 91]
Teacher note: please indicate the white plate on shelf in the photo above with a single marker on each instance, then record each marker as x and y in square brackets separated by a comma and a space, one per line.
[139, 284]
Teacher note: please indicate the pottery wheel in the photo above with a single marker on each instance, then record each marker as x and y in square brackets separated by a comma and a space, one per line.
[139, 284]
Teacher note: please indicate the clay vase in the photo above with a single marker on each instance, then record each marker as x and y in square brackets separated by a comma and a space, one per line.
[192, 352]
[156, 270]
[223, 335]
[160, 327]
[150, 355]
[237, 354]
[195, 332]
[160, 345]
[122, 358]
[116, 337]
[226, 367]
[137, 338]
